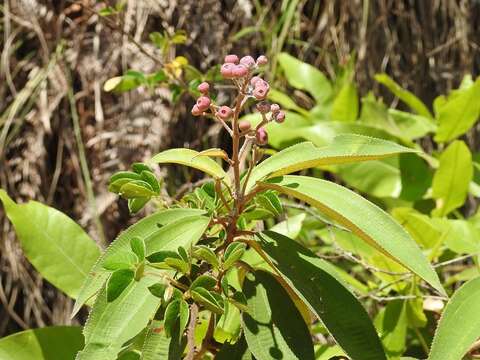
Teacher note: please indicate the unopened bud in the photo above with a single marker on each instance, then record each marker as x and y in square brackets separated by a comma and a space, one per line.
[227, 70]
[203, 103]
[254, 80]
[280, 117]
[203, 87]
[196, 111]
[248, 61]
[232, 59]
[263, 107]
[239, 71]
[275, 108]
[260, 92]
[224, 112]
[244, 125]
[262, 136]
[262, 60]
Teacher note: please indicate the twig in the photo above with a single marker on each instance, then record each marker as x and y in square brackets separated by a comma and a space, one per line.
[191, 332]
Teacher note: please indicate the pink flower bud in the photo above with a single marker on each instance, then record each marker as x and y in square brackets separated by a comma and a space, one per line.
[248, 61]
[224, 112]
[261, 136]
[232, 59]
[203, 102]
[203, 87]
[196, 111]
[275, 108]
[244, 125]
[263, 107]
[280, 117]
[254, 80]
[227, 70]
[262, 60]
[239, 71]
[261, 90]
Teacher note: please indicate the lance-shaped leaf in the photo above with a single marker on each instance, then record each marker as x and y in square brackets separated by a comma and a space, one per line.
[55, 245]
[274, 328]
[111, 324]
[406, 96]
[313, 280]
[143, 229]
[192, 159]
[459, 326]
[56, 342]
[344, 149]
[361, 217]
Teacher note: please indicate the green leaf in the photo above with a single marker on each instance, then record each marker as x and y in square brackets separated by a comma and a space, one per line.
[361, 217]
[304, 76]
[137, 204]
[206, 298]
[176, 311]
[452, 178]
[345, 105]
[204, 253]
[118, 281]
[391, 323]
[459, 113]
[111, 324]
[406, 96]
[312, 279]
[136, 188]
[120, 260]
[158, 346]
[56, 246]
[233, 253]
[178, 265]
[410, 126]
[55, 342]
[129, 81]
[204, 281]
[237, 351]
[143, 229]
[345, 148]
[138, 247]
[190, 158]
[274, 328]
[416, 177]
[290, 227]
[459, 326]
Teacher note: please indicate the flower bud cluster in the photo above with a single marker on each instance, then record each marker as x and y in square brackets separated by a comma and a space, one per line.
[242, 72]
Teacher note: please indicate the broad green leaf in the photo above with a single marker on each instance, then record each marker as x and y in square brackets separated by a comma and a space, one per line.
[143, 229]
[345, 105]
[411, 126]
[111, 324]
[204, 281]
[391, 323]
[48, 343]
[452, 178]
[416, 176]
[192, 159]
[459, 236]
[345, 148]
[118, 281]
[324, 294]
[56, 246]
[459, 326]
[361, 217]
[406, 96]
[290, 227]
[458, 114]
[285, 101]
[274, 328]
[304, 76]
[158, 346]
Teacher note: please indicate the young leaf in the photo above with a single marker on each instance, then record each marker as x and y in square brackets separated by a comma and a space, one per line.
[138, 247]
[344, 149]
[137, 204]
[304, 76]
[459, 326]
[274, 328]
[452, 178]
[120, 260]
[55, 342]
[158, 290]
[172, 313]
[204, 253]
[204, 281]
[312, 279]
[206, 298]
[118, 281]
[345, 105]
[406, 96]
[56, 246]
[459, 113]
[142, 229]
[363, 218]
[233, 253]
[178, 264]
[136, 188]
[192, 159]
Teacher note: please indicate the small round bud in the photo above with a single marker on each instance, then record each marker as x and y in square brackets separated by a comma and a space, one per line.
[244, 125]
[248, 61]
[263, 107]
[280, 117]
[261, 136]
[262, 60]
[275, 108]
[232, 59]
[224, 112]
[203, 102]
[196, 111]
[227, 70]
[239, 71]
[261, 91]
[254, 80]
[203, 87]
